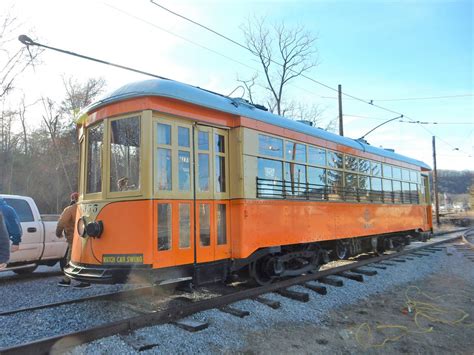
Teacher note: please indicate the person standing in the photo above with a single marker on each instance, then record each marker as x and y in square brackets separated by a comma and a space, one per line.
[10, 229]
[66, 225]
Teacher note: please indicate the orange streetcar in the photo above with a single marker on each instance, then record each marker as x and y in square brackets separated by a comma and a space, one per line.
[179, 183]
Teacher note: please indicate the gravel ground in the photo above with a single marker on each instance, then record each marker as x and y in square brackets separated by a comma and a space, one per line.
[229, 334]
[31, 291]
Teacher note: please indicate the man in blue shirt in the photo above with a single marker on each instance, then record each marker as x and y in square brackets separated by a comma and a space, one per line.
[9, 223]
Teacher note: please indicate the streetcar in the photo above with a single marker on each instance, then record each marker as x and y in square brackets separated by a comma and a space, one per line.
[180, 183]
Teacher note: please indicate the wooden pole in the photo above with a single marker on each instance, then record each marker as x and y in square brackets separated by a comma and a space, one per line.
[341, 127]
[435, 182]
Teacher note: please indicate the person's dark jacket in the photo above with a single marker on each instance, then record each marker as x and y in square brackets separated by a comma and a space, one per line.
[4, 241]
[12, 222]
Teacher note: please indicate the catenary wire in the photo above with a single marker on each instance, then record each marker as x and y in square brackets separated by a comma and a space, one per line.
[369, 102]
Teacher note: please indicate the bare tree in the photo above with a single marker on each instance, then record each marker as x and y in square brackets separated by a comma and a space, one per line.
[12, 62]
[80, 95]
[284, 54]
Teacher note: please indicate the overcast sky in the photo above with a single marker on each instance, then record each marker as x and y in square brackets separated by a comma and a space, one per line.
[377, 50]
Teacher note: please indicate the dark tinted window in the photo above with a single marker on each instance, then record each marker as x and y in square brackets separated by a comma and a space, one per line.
[22, 209]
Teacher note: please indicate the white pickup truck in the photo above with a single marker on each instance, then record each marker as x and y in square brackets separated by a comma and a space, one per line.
[39, 244]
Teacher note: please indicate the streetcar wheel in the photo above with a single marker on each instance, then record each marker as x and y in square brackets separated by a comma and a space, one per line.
[261, 271]
[342, 250]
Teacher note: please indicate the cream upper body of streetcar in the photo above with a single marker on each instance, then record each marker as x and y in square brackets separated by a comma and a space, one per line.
[239, 107]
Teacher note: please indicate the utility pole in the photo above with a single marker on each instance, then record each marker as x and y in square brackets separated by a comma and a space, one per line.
[435, 182]
[341, 127]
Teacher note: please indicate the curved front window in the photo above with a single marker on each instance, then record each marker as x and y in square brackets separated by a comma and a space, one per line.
[95, 135]
[125, 154]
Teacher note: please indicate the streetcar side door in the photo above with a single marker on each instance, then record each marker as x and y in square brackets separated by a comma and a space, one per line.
[212, 217]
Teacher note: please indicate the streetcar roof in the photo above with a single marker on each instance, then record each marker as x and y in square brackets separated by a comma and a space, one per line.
[236, 106]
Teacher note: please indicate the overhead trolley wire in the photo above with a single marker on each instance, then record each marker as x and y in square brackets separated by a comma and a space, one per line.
[369, 102]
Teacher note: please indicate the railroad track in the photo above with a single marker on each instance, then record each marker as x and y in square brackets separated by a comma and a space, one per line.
[181, 308]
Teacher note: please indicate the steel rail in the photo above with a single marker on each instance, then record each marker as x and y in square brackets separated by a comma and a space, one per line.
[106, 296]
[62, 343]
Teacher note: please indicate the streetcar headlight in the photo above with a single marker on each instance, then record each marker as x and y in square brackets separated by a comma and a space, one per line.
[94, 229]
[81, 227]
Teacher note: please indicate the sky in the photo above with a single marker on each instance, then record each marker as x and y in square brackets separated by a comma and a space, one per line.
[404, 55]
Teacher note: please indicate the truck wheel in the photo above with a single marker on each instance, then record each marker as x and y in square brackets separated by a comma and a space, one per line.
[26, 270]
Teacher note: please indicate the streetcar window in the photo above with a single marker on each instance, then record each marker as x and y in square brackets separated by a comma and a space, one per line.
[270, 146]
[387, 190]
[295, 179]
[397, 191]
[164, 226]
[351, 185]
[387, 185]
[203, 172]
[364, 166]
[364, 187]
[317, 176]
[351, 163]
[221, 224]
[183, 137]
[184, 172]
[376, 189]
[125, 154]
[163, 169]
[413, 176]
[220, 143]
[335, 159]
[220, 174]
[405, 175]
[204, 224]
[203, 140]
[387, 171]
[406, 192]
[270, 169]
[184, 225]
[316, 156]
[295, 151]
[397, 173]
[376, 168]
[95, 136]
[164, 134]
[334, 179]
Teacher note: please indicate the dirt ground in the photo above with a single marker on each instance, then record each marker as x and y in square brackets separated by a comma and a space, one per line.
[346, 330]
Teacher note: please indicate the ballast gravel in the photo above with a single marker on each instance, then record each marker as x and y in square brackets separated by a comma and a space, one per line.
[227, 333]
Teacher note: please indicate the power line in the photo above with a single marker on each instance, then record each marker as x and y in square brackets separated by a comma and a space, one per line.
[369, 102]
[412, 98]
[417, 122]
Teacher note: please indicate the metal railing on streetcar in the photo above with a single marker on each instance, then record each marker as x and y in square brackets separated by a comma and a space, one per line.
[280, 189]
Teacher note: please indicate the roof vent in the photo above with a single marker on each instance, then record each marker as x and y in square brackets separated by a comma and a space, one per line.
[306, 122]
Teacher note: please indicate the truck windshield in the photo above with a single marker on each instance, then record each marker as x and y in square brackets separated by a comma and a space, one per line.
[94, 158]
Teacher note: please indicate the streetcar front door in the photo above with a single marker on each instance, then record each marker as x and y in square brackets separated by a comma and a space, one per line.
[211, 182]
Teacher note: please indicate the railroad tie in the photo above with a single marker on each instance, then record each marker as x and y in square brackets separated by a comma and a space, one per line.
[234, 311]
[386, 263]
[354, 277]
[419, 255]
[137, 343]
[316, 288]
[364, 272]
[294, 295]
[376, 266]
[191, 325]
[399, 260]
[331, 281]
[268, 302]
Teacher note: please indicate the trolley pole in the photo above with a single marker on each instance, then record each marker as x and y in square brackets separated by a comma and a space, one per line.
[341, 127]
[435, 182]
